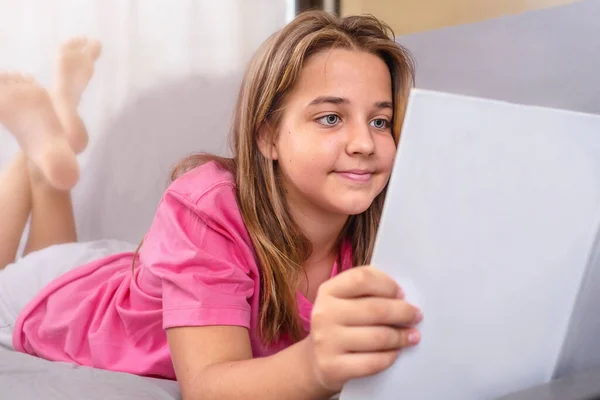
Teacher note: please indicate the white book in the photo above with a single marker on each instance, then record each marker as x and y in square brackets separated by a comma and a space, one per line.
[490, 226]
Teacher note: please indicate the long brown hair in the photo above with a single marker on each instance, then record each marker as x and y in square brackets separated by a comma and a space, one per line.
[280, 246]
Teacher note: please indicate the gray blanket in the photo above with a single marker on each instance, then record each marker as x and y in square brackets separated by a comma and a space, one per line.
[27, 378]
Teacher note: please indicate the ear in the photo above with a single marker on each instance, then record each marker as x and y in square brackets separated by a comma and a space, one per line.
[266, 141]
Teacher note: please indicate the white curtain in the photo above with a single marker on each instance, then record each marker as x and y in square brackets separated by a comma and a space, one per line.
[164, 87]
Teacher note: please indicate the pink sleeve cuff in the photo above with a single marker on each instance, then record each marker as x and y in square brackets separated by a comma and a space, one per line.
[206, 317]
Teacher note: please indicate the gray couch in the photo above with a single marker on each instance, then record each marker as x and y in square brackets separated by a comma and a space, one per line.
[29, 378]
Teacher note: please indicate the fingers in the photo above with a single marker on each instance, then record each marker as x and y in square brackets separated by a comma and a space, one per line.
[358, 323]
[363, 297]
[359, 282]
[369, 311]
[377, 338]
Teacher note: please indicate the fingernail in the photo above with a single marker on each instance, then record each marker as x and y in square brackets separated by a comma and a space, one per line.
[414, 337]
[418, 316]
[400, 294]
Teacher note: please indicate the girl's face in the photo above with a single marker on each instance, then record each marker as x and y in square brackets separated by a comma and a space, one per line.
[334, 145]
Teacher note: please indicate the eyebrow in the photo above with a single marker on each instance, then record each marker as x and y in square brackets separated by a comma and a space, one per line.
[328, 99]
[384, 104]
[341, 100]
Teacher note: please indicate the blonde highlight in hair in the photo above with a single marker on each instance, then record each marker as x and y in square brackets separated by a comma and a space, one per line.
[280, 246]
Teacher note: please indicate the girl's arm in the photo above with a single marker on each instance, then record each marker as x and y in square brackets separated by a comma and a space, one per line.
[215, 362]
[358, 323]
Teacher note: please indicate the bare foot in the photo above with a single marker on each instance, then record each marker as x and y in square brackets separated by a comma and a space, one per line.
[26, 111]
[74, 69]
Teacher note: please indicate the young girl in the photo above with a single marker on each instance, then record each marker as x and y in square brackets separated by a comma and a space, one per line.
[243, 287]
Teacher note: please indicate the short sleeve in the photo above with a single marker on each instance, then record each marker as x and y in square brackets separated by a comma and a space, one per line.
[200, 261]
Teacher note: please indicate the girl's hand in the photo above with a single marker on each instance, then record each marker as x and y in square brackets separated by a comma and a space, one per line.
[358, 324]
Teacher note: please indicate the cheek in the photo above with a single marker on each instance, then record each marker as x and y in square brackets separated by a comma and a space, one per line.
[305, 149]
[387, 153]
[287, 149]
[297, 157]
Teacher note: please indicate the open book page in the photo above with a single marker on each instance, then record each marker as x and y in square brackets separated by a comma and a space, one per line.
[489, 223]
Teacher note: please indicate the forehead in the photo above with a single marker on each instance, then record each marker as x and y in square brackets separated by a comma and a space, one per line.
[345, 73]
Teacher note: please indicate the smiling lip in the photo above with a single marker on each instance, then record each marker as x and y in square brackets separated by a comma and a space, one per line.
[357, 175]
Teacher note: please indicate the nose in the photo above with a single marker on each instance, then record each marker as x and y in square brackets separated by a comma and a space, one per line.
[360, 140]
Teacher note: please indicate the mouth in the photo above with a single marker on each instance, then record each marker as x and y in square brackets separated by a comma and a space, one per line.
[356, 175]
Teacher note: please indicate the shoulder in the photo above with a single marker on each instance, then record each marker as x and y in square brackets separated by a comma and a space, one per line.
[198, 216]
[207, 180]
[206, 196]
[208, 190]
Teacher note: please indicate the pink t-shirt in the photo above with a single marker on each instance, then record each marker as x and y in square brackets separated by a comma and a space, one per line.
[196, 267]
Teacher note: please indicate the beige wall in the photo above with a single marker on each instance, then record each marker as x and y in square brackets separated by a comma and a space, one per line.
[407, 16]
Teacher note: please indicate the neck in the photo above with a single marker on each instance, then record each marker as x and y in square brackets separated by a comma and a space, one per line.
[321, 229]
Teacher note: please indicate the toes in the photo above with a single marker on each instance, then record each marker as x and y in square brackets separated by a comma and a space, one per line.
[21, 78]
[82, 44]
[10, 77]
[74, 44]
[93, 49]
[6, 78]
[27, 78]
[14, 77]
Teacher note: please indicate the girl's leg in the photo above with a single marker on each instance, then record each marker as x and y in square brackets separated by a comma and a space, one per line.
[52, 219]
[26, 111]
[15, 206]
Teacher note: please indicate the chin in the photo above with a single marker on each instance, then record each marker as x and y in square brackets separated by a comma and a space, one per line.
[355, 207]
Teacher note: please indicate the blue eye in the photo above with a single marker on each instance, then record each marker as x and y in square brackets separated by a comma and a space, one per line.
[380, 123]
[329, 120]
